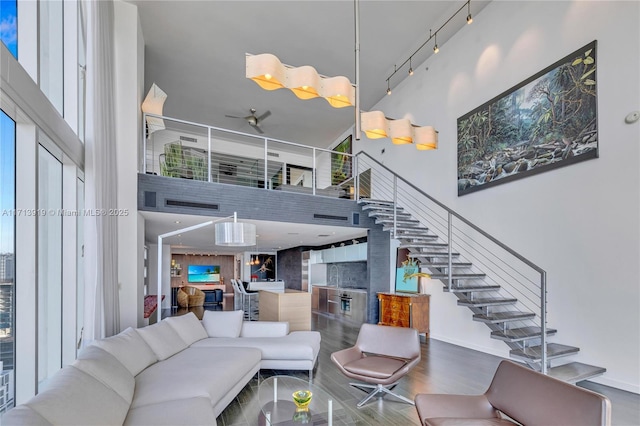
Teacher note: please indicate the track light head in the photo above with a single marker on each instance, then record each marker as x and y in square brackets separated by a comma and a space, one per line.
[410, 71]
[469, 19]
[388, 91]
[436, 49]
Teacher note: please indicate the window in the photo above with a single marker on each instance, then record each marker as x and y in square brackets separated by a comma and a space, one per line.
[7, 258]
[49, 265]
[9, 25]
[51, 53]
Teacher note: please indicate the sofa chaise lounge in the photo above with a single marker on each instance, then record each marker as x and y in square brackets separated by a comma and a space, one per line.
[178, 371]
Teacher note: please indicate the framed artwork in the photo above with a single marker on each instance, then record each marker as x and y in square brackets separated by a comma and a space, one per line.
[406, 268]
[545, 122]
[341, 164]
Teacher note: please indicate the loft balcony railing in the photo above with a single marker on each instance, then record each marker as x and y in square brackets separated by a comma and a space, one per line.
[187, 150]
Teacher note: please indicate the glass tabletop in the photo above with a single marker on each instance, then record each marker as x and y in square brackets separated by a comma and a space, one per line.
[277, 405]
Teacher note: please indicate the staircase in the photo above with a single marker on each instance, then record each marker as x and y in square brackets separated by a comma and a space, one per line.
[508, 296]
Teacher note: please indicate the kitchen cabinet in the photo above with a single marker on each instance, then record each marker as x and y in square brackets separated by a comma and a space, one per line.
[404, 310]
[350, 253]
[315, 298]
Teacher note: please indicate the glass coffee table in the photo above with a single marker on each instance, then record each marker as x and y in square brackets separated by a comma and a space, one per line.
[275, 396]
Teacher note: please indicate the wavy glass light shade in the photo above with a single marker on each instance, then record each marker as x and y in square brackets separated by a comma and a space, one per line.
[426, 138]
[305, 82]
[374, 124]
[401, 131]
[266, 70]
[235, 234]
[338, 91]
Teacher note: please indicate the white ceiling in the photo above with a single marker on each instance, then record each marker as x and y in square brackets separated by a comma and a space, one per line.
[195, 51]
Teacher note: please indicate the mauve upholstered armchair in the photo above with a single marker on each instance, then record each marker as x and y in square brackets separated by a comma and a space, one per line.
[381, 356]
[521, 394]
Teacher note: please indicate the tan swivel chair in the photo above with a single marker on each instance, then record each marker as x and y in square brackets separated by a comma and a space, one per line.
[381, 356]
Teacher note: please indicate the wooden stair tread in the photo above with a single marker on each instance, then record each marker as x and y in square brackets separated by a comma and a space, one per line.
[574, 372]
[470, 288]
[534, 353]
[487, 301]
[520, 334]
[498, 317]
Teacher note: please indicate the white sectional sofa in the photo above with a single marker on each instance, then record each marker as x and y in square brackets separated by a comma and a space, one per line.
[181, 371]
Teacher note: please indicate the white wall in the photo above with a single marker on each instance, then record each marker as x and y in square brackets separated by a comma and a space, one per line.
[129, 61]
[580, 223]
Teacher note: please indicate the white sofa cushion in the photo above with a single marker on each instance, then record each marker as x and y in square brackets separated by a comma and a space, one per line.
[184, 412]
[223, 323]
[162, 339]
[302, 345]
[23, 415]
[188, 327]
[73, 397]
[264, 329]
[195, 372]
[130, 349]
[105, 368]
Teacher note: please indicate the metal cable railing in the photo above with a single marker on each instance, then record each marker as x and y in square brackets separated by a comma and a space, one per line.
[516, 276]
[187, 150]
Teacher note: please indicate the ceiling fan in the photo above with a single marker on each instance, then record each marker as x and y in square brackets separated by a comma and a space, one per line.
[253, 120]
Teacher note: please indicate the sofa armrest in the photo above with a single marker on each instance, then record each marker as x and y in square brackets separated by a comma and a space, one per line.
[264, 329]
[431, 406]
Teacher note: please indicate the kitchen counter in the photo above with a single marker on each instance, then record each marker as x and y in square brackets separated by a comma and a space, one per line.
[289, 305]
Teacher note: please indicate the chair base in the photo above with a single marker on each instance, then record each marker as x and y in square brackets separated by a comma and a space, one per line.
[379, 389]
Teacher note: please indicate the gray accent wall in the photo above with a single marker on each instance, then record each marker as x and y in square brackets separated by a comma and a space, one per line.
[378, 266]
[290, 267]
[250, 203]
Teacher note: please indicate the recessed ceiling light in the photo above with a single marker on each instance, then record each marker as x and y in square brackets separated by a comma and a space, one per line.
[177, 221]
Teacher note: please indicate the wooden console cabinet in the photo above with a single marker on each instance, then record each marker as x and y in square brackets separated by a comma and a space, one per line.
[404, 310]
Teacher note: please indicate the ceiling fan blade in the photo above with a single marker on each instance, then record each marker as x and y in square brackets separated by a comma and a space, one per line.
[257, 129]
[233, 116]
[263, 116]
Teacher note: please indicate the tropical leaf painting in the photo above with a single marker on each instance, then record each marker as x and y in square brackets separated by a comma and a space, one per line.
[340, 163]
[545, 122]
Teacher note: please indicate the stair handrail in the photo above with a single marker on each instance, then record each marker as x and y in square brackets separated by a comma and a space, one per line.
[450, 213]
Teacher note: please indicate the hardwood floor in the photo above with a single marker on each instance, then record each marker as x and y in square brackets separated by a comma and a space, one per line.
[445, 368]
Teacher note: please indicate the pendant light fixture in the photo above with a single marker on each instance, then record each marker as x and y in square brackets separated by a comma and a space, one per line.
[305, 82]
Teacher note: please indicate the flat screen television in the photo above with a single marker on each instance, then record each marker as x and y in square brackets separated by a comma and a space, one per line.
[203, 273]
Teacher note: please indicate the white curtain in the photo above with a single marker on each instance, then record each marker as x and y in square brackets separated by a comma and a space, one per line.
[102, 312]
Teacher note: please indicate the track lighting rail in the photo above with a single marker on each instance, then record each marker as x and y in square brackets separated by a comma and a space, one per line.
[433, 35]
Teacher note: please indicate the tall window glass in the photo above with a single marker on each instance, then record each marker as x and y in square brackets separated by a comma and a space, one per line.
[7, 258]
[9, 25]
[51, 51]
[49, 265]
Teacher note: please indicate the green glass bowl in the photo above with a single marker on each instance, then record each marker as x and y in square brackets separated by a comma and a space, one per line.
[302, 398]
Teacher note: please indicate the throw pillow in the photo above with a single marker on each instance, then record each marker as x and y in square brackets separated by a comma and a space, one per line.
[223, 323]
[129, 348]
[163, 339]
[188, 327]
